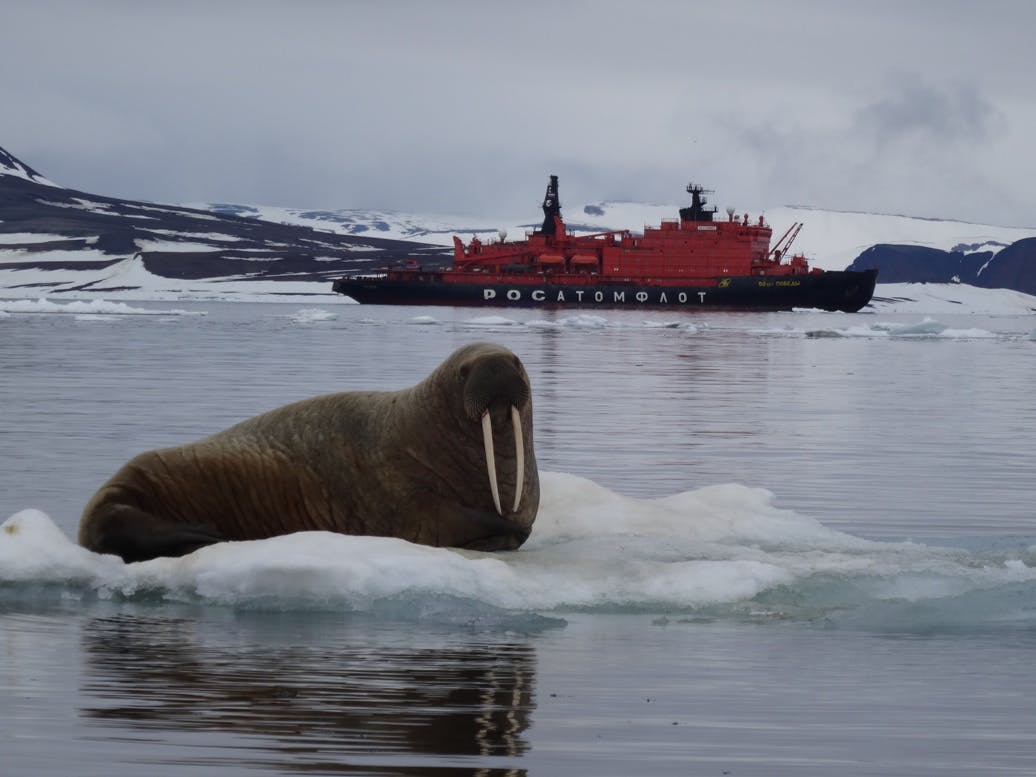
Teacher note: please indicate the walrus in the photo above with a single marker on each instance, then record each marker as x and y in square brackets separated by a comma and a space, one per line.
[448, 462]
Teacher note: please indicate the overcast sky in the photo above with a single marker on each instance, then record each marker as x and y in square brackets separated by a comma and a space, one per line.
[922, 108]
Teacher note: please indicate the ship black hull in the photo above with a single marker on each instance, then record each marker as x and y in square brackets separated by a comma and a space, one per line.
[846, 291]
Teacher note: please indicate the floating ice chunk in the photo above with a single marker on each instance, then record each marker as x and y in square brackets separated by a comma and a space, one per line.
[491, 321]
[309, 316]
[33, 548]
[539, 323]
[725, 549]
[932, 328]
[93, 307]
[585, 321]
[968, 334]
[926, 328]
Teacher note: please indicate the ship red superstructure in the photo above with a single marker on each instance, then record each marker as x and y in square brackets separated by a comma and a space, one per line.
[696, 260]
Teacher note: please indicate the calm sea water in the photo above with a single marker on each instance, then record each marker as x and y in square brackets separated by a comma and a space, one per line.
[875, 613]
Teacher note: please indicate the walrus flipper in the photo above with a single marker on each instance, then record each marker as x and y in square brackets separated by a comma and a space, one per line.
[136, 535]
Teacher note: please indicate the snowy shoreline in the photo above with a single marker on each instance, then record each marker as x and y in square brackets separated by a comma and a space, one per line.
[908, 298]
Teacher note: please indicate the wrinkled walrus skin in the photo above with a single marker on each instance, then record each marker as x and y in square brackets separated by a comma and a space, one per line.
[416, 464]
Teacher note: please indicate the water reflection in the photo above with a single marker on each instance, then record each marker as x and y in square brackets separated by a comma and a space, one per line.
[346, 704]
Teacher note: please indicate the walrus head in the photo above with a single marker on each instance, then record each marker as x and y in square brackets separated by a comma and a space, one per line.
[498, 386]
[492, 406]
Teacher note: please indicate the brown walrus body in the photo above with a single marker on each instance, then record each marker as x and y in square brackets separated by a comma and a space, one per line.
[448, 462]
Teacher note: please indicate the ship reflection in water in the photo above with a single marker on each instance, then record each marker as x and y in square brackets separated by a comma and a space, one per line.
[366, 704]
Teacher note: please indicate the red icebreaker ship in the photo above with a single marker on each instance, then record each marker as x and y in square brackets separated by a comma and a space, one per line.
[693, 262]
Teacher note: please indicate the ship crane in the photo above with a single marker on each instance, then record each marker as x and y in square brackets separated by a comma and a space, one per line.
[782, 246]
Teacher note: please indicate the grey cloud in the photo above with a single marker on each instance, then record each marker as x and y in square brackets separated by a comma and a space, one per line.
[914, 108]
[467, 106]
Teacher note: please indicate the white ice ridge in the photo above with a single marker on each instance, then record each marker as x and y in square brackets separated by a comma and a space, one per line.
[724, 547]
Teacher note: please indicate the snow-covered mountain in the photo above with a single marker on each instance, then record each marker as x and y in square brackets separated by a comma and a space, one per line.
[58, 242]
[11, 167]
[831, 240]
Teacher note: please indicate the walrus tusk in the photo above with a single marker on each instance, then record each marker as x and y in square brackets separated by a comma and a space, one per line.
[519, 455]
[487, 438]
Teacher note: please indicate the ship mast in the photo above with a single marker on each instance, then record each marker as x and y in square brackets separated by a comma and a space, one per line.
[551, 207]
[697, 211]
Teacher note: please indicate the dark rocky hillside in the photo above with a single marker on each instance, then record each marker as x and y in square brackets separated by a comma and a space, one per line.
[1012, 267]
[56, 223]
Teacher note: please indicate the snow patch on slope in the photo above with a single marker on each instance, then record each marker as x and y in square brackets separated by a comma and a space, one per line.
[830, 240]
